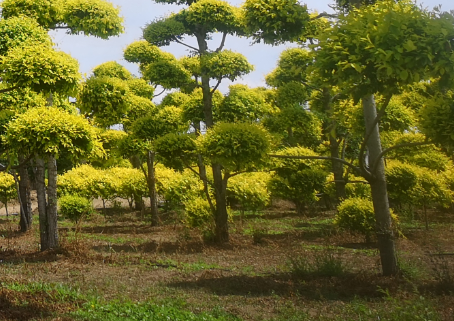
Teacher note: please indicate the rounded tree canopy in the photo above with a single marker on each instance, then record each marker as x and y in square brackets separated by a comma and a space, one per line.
[225, 64]
[41, 68]
[105, 99]
[17, 31]
[163, 31]
[176, 98]
[176, 151]
[167, 73]
[275, 21]
[112, 69]
[292, 66]
[138, 107]
[141, 88]
[21, 99]
[380, 47]
[237, 147]
[97, 18]
[437, 119]
[51, 131]
[243, 104]
[213, 15]
[167, 120]
[142, 52]
[48, 13]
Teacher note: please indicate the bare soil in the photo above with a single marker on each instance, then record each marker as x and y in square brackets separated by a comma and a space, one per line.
[120, 256]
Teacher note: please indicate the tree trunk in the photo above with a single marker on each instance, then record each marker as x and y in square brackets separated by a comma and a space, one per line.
[385, 235]
[52, 230]
[135, 162]
[220, 190]
[151, 181]
[299, 207]
[337, 167]
[25, 202]
[42, 203]
[338, 170]
[221, 215]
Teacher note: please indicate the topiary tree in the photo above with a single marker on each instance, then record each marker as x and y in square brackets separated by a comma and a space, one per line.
[47, 132]
[165, 121]
[209, 65]
[8, 189]
[41, 68]
[297, 180]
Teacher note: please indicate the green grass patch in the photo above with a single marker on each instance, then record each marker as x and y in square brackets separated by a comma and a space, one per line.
[124, 311]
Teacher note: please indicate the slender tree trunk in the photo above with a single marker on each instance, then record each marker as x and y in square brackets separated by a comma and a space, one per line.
[151, 181]
[426, 219]
[42, 203]
[337, 167]
[338, 170]
[135, 162]
[221, 215]
[52, 230]
[385, 235]
[220, 190]
[299, 207]
[25, 202]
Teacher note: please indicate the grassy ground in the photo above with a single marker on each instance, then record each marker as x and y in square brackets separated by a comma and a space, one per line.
[278, 266]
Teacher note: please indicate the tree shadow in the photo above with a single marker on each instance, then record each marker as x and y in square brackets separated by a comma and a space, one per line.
[123, 229]
[153, 247]
[15, 257]
[311, 287]
[16, 305]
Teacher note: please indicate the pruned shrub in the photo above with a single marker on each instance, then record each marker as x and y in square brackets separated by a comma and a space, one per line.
[250, 190]
[298, 180]
[198, 212]
[357, 216]
[75, 207]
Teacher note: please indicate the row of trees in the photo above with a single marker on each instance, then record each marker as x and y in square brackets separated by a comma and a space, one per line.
[373, 74]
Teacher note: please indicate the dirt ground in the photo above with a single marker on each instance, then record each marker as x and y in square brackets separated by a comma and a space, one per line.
[121, 256]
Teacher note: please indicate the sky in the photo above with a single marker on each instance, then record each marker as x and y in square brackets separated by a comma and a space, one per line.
[91, 51]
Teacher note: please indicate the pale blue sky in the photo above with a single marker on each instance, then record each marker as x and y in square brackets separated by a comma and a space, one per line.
[91, 51]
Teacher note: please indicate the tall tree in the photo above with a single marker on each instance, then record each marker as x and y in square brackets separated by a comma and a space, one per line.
[42, 69]
[377, 49]
[200, 20]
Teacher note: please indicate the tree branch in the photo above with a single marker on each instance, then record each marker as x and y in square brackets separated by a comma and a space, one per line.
[160, 93]
[343, 161]
[182, 43]
[222, 42]
[325, 15]
[312, 87]
[387, 150]
[217, 85]
[5, 90]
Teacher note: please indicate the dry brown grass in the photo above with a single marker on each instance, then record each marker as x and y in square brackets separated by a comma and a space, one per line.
[127, 258]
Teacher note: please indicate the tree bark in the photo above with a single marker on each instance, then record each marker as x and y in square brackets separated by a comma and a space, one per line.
[337, 167]
[52, 230]
[384, 231]
[42, 203]
[25, 202]
[338, 170]
[135, 162]
[151, 182]
[220, 184]
[221, 215]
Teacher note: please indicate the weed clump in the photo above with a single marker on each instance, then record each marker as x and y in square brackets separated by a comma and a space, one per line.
[326, 263]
